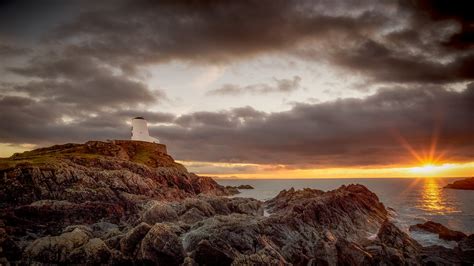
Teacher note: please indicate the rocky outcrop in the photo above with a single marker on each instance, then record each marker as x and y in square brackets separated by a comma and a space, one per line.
[113, 203]
[442, 231]
[50, 188]
[465, 184]
[346, 226]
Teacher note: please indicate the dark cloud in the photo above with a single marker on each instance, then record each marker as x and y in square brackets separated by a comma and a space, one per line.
[459, 11]
[383, 64]
[404, 41]
[384, 40]
[340, 133]
[280, 86]
[95, 93]
[83, 83]
[8, 50]
[44, 122]
[345, 132]
[218, 31]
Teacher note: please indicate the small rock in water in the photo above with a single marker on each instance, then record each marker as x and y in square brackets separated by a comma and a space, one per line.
[442, 231]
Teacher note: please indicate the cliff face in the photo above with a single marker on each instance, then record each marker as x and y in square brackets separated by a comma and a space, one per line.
[83, 183]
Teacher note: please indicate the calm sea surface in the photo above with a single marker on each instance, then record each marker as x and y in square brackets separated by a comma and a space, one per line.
[415, 200]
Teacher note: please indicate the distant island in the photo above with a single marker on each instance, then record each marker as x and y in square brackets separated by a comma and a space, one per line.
[235, 189]
[128, 202]
[465, 184]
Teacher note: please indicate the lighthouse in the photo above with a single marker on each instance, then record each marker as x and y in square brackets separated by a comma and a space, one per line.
[140, 130]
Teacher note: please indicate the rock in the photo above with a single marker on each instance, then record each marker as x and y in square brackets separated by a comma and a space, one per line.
[394, 247]
[159, 212]
[93, 252]
[465, 184]
[9, 250]
[129, 243]
[245, 187]
[161, 246]
[232, 190]
[461, 255]
[307, 226]
[466, 248]
[439, 255]
[56, 249]
[221, 238]
[360, 211]
[235, 189]
[265, 256]
[127, 203]
[105, 230]
[442, 231]
[45, 190]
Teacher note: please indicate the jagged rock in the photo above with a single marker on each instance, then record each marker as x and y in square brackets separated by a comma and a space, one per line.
[464, 184]
[161, 246]
[394, 247]
[442, 231]
[306, 226]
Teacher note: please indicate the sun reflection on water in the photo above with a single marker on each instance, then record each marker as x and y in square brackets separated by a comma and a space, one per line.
[433, 200]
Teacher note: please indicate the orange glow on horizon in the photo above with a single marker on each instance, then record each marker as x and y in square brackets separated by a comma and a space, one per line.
[259, 171]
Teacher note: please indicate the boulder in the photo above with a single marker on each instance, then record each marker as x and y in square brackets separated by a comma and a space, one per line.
[161, 246]
[130, 242]
[158, 213]
[56, 249]
[94, 252]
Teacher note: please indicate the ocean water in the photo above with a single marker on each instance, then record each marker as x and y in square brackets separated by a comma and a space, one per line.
[415, 200]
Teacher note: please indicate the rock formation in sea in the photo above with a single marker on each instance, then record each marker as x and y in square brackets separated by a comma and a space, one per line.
[442, 231]
[128, 203]
[236, 189]
[464, 184]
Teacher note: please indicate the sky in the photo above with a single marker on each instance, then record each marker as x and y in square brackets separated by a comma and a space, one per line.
[248, 89]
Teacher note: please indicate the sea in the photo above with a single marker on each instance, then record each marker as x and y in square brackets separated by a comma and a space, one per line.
[414, 200]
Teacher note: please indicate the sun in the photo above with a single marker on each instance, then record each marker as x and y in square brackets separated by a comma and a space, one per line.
[430, 169]
[424, 169]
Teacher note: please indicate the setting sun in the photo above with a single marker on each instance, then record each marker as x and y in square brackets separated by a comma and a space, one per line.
[428, 169]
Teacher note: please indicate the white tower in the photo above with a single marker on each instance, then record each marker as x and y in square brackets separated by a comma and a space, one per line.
[140, 130]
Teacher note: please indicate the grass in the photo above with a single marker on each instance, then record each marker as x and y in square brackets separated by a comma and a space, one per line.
[45, 156]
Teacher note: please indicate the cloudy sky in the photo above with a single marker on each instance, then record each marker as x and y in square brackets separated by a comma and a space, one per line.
[247, 88]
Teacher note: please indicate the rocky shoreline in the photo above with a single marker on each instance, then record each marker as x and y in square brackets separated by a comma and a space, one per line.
[117, 204]
[464, 184]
